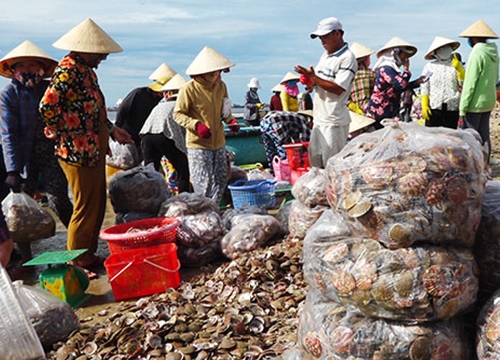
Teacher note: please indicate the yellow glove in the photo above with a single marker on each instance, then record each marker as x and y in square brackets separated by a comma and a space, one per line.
[259, 105]
[426, 110]
[459, 67]
[355, 108]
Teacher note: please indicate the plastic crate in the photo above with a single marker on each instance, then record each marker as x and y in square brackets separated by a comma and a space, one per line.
[146, 271]
[253, 192]
[140, 233]
[281, 169]
[297, 155]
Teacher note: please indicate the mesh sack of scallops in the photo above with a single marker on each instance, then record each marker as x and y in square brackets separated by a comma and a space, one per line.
[310, 188]
[301, 218]
[487, 245]
[415, 284]
[328, 330]
[488, 333]
[186, 204]
[408, 183]
[249, 232]
[196, 231]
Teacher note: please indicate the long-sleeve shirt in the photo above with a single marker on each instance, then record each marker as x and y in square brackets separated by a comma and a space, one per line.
[251, 101]
[479, 90]
[135, 109]
[289, 103]
[362, 86]
[275, 103]
[198, 102]
[20, 121]
[73, 107]
[386, 97]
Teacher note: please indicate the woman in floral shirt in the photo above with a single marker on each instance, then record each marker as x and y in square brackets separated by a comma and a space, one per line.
[74, 112]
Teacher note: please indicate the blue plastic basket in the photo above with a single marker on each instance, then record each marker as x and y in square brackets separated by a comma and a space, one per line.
[253, 192]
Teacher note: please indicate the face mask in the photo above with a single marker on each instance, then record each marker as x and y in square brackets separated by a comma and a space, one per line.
[29, 80]
[444, 53]
[292, 83]
[469, 41]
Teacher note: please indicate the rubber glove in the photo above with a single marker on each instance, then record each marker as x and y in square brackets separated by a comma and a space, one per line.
[355, 108]
[203, 130]
[461, 122]
[14, 181]
[459, 67]
[305, 80]
[426, 110]
[233, 128]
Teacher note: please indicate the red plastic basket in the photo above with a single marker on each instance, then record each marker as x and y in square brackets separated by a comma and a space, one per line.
[140, 233]
[141, 272]
[296, 173]
[297, 155]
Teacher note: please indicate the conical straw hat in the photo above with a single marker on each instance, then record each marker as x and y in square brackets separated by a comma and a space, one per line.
[27, 51]
[479, 29]
[208, 60]
[175, 83]
[396, 42]
[360, 51]
[278, 87]
[88, 37]
[438, 43]
[359, 121]
[163, 71]
[289, 76]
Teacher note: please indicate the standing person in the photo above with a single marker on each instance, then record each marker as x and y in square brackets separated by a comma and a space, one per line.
[162, 136]
[27, 152]
[364, 80]
[201, 106]
[440, 95]
[275, 102]
[137, 105]
[252, 103]
[479, 89]
[391, 82]
[332, 79]
[289, 96]
[306, 102]
[74, 111]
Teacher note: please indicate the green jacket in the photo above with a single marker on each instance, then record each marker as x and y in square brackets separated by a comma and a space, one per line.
[479, 89]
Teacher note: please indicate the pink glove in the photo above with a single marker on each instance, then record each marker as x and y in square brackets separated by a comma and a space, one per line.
[235, 127]
[203, 130]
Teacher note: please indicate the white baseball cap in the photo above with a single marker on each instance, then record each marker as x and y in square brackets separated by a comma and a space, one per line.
[326, 26]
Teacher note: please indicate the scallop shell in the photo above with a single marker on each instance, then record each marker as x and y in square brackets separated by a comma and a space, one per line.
[336, 252]
[352, 199]
[400, 236]
[420, 348]
[436, 280]
[343, 281]
[360, 209]
[448, 309]
[493, 325]
[457, 191]
[382, 288]
[312, 345]
[403, 283]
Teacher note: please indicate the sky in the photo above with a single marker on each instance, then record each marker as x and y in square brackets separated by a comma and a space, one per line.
[264, 38]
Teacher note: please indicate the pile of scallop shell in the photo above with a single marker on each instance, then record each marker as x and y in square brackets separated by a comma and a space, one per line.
[243, 309]
[488, 337]
[396, 244]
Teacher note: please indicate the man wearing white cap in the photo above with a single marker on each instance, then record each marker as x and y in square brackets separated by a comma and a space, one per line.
[479, 90]
[74, 112]
[201, 107]
[332, 79]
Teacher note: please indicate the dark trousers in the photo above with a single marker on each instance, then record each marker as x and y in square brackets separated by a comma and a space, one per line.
[154, 146]
[443, 118]
[481, 123]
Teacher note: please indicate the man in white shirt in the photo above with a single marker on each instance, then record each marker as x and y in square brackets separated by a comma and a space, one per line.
[332, 80]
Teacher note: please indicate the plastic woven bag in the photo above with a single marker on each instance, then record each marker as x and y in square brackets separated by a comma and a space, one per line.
[26, 219]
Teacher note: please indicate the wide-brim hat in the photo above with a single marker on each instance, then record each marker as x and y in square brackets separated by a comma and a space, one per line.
[27, 51]
[439, 42]
[359, 121]
[479, 29]
[208, 60]
[278, 87]
[163, 71]
[360, 51]
[88, 37]
[254, 83]
[289, 76]
[175, 83]
[396, 42]
[308, 113]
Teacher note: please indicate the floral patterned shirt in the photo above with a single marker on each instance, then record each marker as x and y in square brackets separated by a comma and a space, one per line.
[386, 97]
[72, 106]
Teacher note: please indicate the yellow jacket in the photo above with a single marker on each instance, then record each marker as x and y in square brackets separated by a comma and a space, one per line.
[201, 102]
[288, 102]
